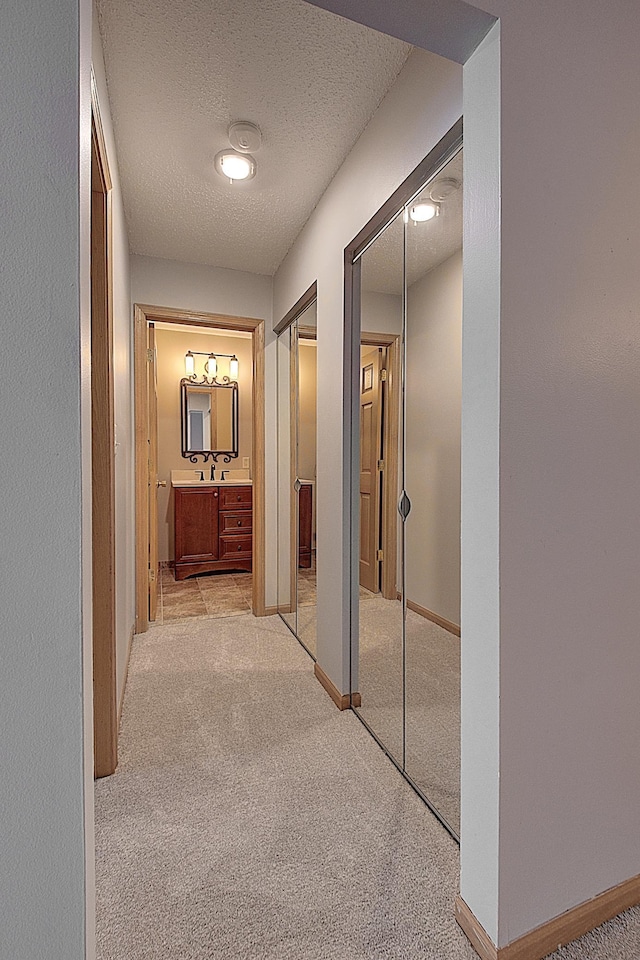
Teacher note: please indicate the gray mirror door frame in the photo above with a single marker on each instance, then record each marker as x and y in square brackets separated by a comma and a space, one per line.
[290, 322]
[426, 170]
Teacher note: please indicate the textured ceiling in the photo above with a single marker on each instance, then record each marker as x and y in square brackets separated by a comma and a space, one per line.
[428, 244]
[179, 73]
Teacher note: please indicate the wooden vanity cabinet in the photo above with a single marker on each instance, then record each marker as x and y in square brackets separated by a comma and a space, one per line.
[305, 524]
[213, 529]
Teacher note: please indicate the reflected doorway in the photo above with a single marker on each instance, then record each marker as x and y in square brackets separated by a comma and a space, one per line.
[407, 277]
[297, 419]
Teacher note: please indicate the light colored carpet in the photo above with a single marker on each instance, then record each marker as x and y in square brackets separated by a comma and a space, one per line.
[250, 819]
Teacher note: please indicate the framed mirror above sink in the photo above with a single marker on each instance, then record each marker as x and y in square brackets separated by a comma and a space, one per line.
[209, 420]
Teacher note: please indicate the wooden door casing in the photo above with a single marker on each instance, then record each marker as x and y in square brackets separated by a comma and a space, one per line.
[370, 446]
[105, 700]
[152, 471]
[305, 524]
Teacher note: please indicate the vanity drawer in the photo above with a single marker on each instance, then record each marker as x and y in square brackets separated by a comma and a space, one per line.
[238, 547]
[235, 498]
[236, 521]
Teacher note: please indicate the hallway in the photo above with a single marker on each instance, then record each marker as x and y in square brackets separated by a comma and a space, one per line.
[249, 818]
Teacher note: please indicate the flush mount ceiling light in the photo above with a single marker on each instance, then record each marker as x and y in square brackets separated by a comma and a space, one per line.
[420, 212]
[235, 166]
[237, 163]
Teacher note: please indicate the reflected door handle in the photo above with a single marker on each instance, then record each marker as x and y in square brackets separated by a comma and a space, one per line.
[297, 485]
[404, 506]
[161, 483]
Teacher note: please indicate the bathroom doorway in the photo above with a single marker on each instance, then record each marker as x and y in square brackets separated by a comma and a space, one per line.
[214, 555]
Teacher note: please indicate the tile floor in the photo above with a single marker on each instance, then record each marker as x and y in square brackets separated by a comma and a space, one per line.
[210, 595]
[216, 595]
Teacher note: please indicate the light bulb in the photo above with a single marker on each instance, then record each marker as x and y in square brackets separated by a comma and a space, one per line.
[212, 365]
[189, 364]
[421, 212]
[233, 368]
[235, 166]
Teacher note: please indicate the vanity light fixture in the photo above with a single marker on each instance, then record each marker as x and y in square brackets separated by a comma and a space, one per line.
[210, 365]
[421, 212]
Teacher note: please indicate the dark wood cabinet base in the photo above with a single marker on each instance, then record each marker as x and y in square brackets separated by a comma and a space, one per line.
[213, 530]
[305, 524]
[184, 570]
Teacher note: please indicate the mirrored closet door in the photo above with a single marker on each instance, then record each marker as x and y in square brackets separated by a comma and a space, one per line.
[296, 348]
[381, 665]
[408, 284]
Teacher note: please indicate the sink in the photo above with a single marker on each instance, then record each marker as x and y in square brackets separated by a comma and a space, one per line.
[191, 478]
[232, 483]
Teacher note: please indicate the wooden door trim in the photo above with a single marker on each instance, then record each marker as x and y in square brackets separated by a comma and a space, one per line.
[152, 468]
[105, 701]
[259, 483]
[391, 342]
[141, 457]
[143, 314]
[293, 471]
[371, 397]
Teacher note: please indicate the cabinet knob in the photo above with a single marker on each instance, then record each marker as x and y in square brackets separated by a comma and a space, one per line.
[215, 493]
[239, 497]
[239, 523]
[239, 547]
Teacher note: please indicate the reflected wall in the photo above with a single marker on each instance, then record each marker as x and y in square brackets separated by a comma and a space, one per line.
[297, 390]
[408, 666]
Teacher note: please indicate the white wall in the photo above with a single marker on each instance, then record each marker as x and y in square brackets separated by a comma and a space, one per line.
[480, 506]
[550, 535]
[46, 787]
[381, 312]
[564, 398]
[402, 131]
[569, 439]
[434, 399]
[195, 287]
[122, 385]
